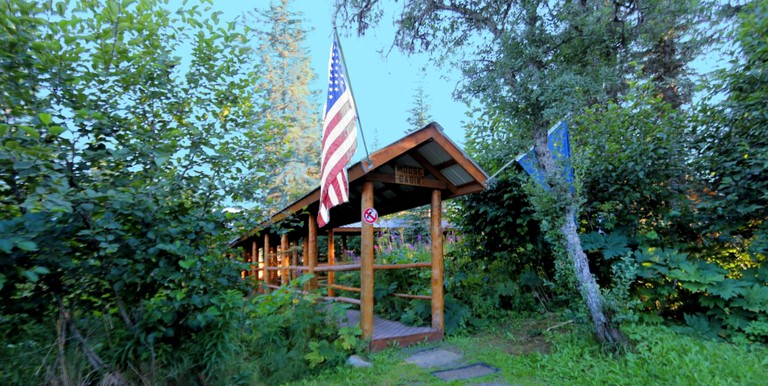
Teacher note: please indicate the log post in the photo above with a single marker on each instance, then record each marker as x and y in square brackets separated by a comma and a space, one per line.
[312, 252]
[331, 261]
[285, 258]
[366, 265]
[294, 260]
[244, 259]
[267, 264]
[438, 321]
[254, 263]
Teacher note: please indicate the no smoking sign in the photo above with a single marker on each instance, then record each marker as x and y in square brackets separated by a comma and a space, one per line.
[370, 215]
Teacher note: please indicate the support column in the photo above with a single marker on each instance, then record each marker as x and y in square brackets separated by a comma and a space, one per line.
[285, 258]
[331, 261]
[366, 265]
[438, 321]
[312, 251]
[244, 260]
[267, 264]
[294, 260]
[254, 263]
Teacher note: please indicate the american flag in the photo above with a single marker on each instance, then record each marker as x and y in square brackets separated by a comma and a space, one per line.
[339, 139]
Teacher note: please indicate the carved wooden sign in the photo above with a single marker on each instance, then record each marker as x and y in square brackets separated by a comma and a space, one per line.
[409, 175]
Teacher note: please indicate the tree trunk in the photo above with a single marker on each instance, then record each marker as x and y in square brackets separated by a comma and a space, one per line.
[590, 292]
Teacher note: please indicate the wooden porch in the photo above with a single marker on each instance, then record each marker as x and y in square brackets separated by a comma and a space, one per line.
[423, 168]
[387, 333]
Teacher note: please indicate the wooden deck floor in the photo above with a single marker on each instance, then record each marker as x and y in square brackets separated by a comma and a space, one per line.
[387, 333]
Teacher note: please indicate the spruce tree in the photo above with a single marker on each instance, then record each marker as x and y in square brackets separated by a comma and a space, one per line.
[289, 103]
[419, 114]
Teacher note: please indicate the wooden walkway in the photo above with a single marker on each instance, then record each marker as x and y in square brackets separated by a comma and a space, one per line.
[387, 333]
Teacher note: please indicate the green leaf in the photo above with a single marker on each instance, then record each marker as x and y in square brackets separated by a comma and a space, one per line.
[31, 131]
[188, 263]
[55, 130]
[31, 275]
[6, 245]
[45, 118]
[27, 245]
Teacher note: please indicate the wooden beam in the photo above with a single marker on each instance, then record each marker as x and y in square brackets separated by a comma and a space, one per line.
[409, 296]
[342, 299]
[438, 304]
[245, 259]
[294, 259]
[267, 264]
[254, 262]
[377, 267]
[446, 164]
[343, 288]
[285, 259]
[390, 179]
[337, 268]
[354, 231]
[331, 262]
[290, 267]
[472, 187]
[366, 265]
[312, 252]
[432, 170]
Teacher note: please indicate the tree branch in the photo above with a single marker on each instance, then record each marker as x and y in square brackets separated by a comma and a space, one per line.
[473, 16]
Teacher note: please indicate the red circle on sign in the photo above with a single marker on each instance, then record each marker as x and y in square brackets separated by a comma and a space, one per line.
[370, 215]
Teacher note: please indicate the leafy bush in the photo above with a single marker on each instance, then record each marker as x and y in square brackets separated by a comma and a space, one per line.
[115, 160]
[393, 249]
[289, 336]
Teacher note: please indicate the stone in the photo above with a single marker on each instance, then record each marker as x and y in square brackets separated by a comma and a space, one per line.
[466, 372]
[434, 358]
[358, 361]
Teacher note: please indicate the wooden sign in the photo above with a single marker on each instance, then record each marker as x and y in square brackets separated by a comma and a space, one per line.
[409, 175]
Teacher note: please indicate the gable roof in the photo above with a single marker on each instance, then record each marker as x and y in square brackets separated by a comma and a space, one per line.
[445, 167]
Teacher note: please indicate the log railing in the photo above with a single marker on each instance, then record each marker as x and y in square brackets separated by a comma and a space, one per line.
[347, 267]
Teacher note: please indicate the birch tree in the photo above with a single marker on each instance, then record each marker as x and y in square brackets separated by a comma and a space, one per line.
[536, 62]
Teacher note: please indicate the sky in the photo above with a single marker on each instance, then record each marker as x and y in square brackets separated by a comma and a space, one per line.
[383, 85]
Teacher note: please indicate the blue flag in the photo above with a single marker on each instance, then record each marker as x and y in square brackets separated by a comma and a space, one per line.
[560, 146]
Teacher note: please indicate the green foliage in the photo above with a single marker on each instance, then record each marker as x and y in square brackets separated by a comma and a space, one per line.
[733, 145]
[630, 158]
[281, 38]
[419, 115]
[289, 336]
[661, 356]
[116, 158]
[707, 298]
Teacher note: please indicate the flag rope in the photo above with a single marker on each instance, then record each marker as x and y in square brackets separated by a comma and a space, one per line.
[368, 163]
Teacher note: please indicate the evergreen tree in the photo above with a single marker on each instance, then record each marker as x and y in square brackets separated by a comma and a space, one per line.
[289, 102]
[419, 114]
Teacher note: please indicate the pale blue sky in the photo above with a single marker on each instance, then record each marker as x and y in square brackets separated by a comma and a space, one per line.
[383, 86]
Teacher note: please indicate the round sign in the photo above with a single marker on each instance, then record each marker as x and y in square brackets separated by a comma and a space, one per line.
[370, 215]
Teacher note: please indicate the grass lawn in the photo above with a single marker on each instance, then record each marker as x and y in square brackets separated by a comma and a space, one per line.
[527, 354]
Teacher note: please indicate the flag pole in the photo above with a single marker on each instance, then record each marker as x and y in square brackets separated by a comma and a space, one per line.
[367, 162]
